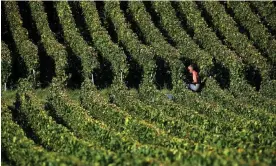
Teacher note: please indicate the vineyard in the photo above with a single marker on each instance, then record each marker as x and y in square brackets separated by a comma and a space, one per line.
[86, 83]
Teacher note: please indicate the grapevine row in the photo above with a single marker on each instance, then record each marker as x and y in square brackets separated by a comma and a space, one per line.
[234, 39]
[138, 108]
[86, 54]
[168, 18]
[141, 149]
[6, 64]
[57, 138]
[261, 37]
[216, 111]
[103, 42]
[125, 121]
[266, 10]
[187, 47]
[122, 121]
[212, 156]
[159, 115]
[172, 25]
[258, 33]
[53, 48]
[93, 130]
[209, 41]
[160, 46]
[23, 151]
[153, 35]
[140, 52]
[27, 50]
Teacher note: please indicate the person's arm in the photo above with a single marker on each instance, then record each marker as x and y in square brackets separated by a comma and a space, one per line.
[194, 78]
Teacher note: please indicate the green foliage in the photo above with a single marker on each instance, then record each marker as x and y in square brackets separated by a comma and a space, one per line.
[103, 42]
[77, 119]
[258, 32]
[99, 108]
[27, 50]
[188, 48]
[160, 46]
[235, 40]
[266, 10]
[52, 135]
[186, 123]
[140, 52]
[127, 125]
[117, 126]
[56, 137]
[210, 42]
[268, 89]
[6, 63]
[23, 151]
[53, 48]
[181, 117]
[86, 53]
[96, 131]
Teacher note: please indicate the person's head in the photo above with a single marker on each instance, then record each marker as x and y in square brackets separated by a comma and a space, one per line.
[191, 68]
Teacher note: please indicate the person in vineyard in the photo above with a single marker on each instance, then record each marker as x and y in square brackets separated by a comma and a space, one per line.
[196, 82]
[195, 85]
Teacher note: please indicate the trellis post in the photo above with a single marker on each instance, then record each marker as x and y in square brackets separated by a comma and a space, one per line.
[92, 78]
[33, 75]
[121, 77]
[5, 86]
